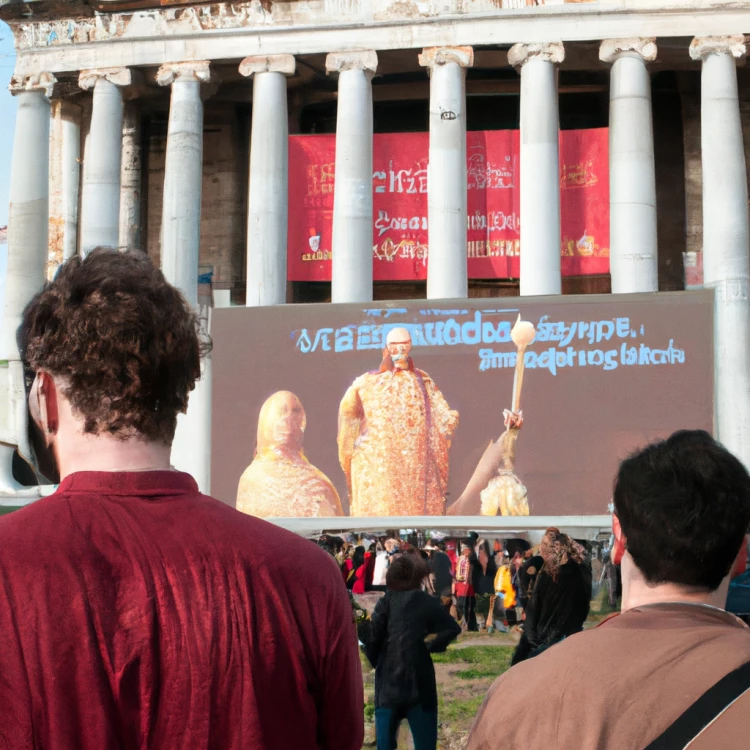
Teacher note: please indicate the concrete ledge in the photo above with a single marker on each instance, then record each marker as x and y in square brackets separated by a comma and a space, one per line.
[143, 42]
[583, 526]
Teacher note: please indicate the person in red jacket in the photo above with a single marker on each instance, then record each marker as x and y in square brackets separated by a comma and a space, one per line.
[135, 611]
[364, 573]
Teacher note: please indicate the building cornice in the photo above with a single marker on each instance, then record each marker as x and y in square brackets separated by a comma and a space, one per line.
[232, 31]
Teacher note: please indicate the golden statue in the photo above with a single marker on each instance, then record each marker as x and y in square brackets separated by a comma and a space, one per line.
[395, 431]
[280, 481]
[494, 489]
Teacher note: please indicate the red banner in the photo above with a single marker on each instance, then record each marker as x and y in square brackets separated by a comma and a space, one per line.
[400, 229]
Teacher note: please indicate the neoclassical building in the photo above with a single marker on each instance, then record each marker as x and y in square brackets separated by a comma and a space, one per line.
[165, 126]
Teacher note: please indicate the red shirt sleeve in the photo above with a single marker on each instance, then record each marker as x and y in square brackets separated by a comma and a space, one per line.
[341, 718]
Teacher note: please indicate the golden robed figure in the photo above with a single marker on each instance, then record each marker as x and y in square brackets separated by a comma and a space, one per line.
[395, 431]
[280, 481]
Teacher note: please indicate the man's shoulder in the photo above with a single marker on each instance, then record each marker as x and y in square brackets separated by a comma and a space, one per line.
[286, 549]
[618, 679]
[33, 521]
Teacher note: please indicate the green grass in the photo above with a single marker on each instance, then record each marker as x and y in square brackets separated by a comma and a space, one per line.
[485, 661]
[370, 711]
[459, 711]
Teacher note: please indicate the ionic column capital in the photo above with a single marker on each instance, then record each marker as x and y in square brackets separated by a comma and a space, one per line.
[338, 62]
[644, 47]
[434, 56]
[44, 82]
[520, 54]
[285, 64]
[199, 71]
[121, 77]
[703, 46]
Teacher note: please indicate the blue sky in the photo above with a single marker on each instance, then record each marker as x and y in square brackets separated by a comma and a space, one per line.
[7, 123]
[7, 117]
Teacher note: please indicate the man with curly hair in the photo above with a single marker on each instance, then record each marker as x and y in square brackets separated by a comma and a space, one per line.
[136, 612]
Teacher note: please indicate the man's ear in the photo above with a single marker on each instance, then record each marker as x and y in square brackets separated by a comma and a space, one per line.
[740, 562]
[618, 551]
[48, 403]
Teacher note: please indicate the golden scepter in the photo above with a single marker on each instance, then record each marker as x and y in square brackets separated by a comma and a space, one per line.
[505, 495]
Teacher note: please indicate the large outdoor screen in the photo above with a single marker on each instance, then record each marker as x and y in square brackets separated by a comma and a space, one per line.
[423, 408]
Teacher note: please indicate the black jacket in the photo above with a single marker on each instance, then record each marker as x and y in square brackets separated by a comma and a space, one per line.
[557, 609]
[395, 646]
[484, 581]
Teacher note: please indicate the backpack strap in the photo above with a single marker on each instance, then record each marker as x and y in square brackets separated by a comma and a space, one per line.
[709, 707]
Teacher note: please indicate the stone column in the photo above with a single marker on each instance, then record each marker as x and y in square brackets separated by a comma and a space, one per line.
[352, 197]
[28, 247]
[131, 178]
[100, 198]
[269, 180]
[64, 182]
[634, 264]
[540, 166]
[183, 176]
[726, 244]
[180, 245]
[447, 275]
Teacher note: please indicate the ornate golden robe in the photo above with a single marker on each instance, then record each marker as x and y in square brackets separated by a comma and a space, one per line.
[395, 430]
[282, 485]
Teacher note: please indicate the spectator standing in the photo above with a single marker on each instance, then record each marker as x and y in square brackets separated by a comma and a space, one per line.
[379, 570]
[440, 566]
[352, 565]
[527, 575]
[135, 611]
[560, 601]
[364, 573]
[515, 570]
[506, 596]
[483, 582]
[681, 509]
[405, 685]
[464, 589]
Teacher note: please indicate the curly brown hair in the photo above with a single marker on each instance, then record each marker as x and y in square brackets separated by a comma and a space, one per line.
[123, 342]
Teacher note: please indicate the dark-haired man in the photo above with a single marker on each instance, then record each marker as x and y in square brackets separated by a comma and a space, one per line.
[682, 508]
[134, 611]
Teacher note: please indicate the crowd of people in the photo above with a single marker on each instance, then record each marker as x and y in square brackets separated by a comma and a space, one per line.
[136, 612]
[544, 593]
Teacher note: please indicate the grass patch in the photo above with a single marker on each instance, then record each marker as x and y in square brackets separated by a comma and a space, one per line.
[497, 657]
[459, 710]
[485, 661]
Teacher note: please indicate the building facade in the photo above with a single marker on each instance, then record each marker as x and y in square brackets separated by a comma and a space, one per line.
[165, 127]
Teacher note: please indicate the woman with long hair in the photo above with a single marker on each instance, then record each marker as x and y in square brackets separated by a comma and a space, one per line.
[560, 601]
[405, 686]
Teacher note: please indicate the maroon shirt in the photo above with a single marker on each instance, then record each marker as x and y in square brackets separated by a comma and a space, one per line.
[137, 613]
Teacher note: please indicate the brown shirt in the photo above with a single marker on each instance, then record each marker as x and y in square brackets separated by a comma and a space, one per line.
[619, 685]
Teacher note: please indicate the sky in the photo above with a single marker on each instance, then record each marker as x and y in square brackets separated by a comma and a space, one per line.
[7, 123]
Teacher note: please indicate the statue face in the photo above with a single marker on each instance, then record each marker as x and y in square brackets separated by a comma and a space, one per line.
[399, 346]
[282, 421]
